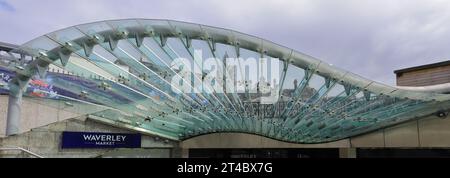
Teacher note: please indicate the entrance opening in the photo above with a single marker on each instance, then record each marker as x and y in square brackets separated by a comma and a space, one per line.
[265, 153]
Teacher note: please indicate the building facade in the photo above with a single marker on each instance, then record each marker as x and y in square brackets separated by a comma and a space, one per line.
[425, 75]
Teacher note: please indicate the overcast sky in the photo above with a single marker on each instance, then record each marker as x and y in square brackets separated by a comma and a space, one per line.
[370, 38]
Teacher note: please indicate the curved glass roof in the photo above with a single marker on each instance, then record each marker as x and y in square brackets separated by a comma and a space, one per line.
[134, 72]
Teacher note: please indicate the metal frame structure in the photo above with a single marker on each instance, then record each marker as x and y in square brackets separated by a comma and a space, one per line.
[124, 66]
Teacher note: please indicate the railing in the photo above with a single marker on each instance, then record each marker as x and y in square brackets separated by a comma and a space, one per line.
[20, 149]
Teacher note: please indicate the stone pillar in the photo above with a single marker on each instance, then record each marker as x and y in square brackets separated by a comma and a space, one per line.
[184, 153]
[178, 152]
[347, 152]
[14, 110]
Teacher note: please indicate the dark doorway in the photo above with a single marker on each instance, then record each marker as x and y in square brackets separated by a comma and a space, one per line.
[403, 153]
[264, 153]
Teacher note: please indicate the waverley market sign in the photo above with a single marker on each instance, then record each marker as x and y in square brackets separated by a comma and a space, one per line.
[100, 140]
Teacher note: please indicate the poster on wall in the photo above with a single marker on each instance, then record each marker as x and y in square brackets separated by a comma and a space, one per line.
[55, 85]
[5, 77]
[36, 87]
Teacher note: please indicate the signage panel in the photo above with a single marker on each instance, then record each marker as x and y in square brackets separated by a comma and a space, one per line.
[100, 140]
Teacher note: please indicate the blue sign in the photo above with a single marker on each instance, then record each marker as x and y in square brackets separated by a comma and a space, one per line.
[100, 140]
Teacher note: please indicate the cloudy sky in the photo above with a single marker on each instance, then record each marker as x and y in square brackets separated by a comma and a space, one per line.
[368, 37]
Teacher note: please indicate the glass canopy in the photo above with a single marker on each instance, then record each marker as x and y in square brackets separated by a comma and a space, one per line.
[129, 73]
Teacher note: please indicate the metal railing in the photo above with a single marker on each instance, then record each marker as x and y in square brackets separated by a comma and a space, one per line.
[20, 149]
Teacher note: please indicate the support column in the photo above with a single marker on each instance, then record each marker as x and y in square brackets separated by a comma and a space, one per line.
[179, 152]
[14, 110]
[347, 152]
[184, 153]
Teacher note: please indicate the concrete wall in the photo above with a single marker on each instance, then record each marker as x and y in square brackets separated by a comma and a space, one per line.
[35, 113]
[243, 140]
[46, 141]
[430, 132]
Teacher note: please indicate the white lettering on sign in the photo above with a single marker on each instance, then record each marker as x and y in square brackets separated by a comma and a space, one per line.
[104, 138]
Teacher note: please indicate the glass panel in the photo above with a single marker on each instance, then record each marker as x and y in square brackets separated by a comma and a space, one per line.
[130, 85]
[294, 76]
